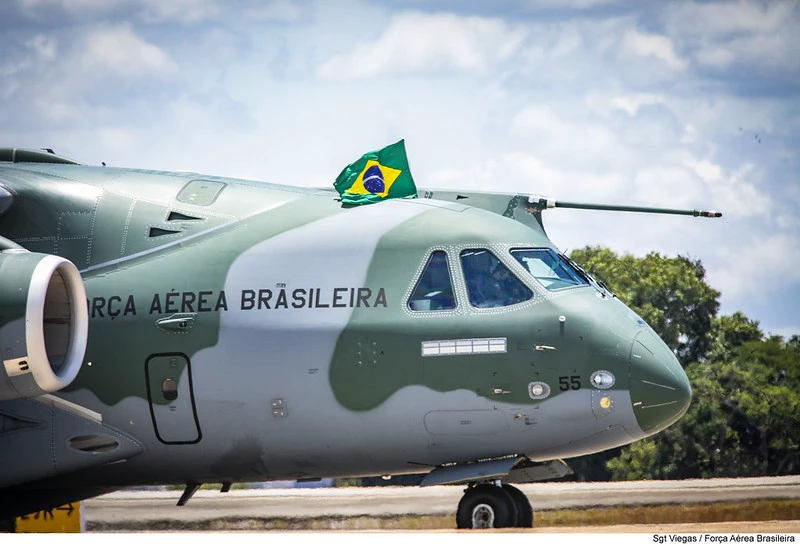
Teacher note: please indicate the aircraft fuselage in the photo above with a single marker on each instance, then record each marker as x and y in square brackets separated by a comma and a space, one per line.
[246, 332]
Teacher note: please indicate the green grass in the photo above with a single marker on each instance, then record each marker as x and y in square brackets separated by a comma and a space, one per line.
[762, 510]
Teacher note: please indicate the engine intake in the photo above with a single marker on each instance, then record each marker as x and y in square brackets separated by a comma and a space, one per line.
[44, 323]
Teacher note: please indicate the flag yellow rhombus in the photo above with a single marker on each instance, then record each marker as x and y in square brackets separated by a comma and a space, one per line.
[389, 176]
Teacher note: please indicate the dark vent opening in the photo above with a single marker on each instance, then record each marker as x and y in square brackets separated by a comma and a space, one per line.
[177, 216]
[156, 232]
[93, 443]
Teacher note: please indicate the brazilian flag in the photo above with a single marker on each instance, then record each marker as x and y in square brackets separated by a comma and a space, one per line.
[378, 175]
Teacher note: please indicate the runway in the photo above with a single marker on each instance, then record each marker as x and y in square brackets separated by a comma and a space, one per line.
[138, 510]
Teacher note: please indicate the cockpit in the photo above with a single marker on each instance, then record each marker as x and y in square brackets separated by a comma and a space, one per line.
[488, 282]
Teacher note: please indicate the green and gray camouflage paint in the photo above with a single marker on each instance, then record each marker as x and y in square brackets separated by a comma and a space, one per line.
[243, 331]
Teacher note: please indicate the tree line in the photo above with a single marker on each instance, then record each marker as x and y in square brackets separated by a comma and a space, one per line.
[744, 419]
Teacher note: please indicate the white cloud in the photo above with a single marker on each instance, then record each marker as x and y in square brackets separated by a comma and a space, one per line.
[185, 11]
[788, 222]
[734, 191]
[44, 50]
[118, 50]
[652, 45]
[557, 181]
[574, 4]
[283, 11]
[717, 56]
[57, 111]
[34, 8]
[416, 43]
[723, 34]
[757, 266]
[629, 103]
[570, 41]
[584, 144]
[689, 135]
[705, 169]
[715, 19]
[667, 186]
[44, 47]
[526, 173]
[736, 196]
[116, 140]
[779, 50]
[190, 11]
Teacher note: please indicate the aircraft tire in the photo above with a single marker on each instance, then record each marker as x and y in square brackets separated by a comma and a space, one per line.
[524, 510]
[486, 506]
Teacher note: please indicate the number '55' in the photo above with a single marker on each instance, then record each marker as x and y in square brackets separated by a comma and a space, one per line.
[569, 382]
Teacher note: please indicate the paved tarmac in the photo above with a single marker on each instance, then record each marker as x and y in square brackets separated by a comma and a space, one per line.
[128, 508]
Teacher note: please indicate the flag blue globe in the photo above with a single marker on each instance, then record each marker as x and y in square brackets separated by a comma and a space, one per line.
[373, 180]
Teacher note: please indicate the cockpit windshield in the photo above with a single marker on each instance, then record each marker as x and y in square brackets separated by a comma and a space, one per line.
[489, 283]
[434, 290]
[552, 270]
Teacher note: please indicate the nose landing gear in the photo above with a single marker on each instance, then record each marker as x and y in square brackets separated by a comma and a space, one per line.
[490, 506]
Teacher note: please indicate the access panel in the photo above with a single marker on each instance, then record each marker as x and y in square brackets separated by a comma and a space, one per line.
[169, 390]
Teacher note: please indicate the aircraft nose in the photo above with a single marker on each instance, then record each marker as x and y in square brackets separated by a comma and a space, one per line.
[660, 390]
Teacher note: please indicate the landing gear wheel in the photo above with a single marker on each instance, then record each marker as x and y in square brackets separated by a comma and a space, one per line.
[486, 506]
[524, 510]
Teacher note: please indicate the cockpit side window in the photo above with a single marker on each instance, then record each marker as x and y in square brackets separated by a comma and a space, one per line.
[548, 267]
[490, 284]
[434, 290]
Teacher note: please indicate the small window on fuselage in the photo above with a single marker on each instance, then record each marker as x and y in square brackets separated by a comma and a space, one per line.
[490, 284]
[549, 268]
[434, 290]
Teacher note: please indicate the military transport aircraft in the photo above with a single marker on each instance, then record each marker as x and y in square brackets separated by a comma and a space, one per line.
[176, 328]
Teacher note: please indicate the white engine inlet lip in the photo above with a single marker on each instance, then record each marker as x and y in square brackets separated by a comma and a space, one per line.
[45, 378]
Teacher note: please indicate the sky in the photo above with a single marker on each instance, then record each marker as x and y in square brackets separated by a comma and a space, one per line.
[671, 104]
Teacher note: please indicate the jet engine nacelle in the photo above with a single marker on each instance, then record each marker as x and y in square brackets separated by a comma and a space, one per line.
[44, 323]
